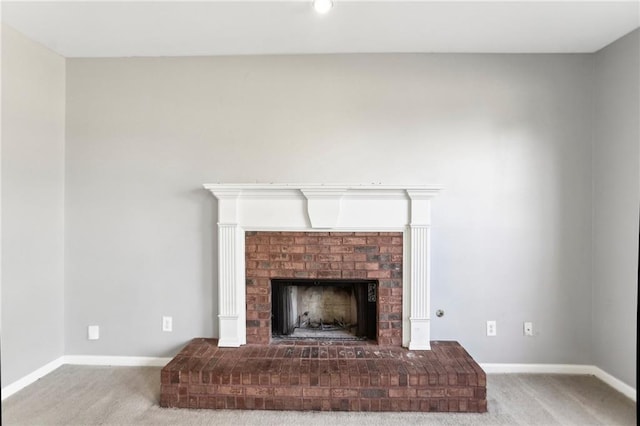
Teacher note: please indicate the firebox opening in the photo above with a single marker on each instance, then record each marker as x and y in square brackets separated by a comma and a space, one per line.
[324, 309]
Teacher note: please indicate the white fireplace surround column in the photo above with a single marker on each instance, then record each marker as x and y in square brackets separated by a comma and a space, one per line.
[317, 207]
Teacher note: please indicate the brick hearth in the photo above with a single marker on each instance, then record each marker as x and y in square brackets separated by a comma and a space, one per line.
[327, 376]
[331, 255]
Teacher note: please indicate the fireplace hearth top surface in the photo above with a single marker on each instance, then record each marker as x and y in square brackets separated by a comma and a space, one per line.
[435, 361]
[324, 375]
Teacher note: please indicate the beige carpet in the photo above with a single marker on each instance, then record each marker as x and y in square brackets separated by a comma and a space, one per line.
[80, 395]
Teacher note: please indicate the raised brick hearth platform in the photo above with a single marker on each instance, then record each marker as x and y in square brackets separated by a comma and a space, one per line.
[324, 375]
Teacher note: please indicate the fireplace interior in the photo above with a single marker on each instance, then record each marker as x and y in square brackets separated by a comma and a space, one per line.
[324, 309]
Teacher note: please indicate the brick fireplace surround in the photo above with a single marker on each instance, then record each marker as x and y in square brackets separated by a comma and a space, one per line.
[334, 232]
[330, 255]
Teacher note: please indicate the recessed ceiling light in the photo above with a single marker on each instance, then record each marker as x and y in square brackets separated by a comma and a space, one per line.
[322, 6]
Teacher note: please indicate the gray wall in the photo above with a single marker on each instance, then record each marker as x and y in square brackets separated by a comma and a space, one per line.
[616, 198]
[33, 108]
[509, 137]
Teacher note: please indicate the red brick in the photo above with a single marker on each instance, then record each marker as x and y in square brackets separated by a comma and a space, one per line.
[306, 240]
[344, 393]
[293, 249]
[281, 240]
[306, 274]
[354, 240]
[258, 391]
[316, 392]
[461, 393]
[369, 266]
[288, 391]
[378, 274]
[390, 249]
[329, 258]
[402, 393]
[329, 274]
[379, 241]
[330, 241]
[341, 249]
[283, 257]
[354, 274]
[354, 257]
[317, 266]
[462, 405]
[431, 393]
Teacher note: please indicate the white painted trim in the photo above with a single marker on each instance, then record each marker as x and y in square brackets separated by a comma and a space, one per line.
[537, 368]
[578, 369]
[319, 186]
[125, 361]
[337, 229]
[22, 383]
[128, 361]
[316, 207]
[616, 383]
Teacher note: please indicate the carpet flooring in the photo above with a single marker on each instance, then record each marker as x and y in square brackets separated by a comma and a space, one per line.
[82, 395]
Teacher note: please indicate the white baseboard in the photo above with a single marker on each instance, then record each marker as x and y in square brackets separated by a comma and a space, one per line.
[591, 370]
[615, 383]
[126, 361]
[22, 383]
[538, 368]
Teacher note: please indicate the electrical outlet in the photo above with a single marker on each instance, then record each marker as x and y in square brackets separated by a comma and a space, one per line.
[528, 328]
[491, 328]
[167, 324]
[93, 332]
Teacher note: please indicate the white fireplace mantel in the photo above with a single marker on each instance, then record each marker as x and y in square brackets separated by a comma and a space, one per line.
[318, 207]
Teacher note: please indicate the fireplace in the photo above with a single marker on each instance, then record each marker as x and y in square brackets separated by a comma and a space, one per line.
[347, 257]
[341, 214]
[305, 309]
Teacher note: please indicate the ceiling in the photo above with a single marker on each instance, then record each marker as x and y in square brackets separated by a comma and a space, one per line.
[162, 28]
